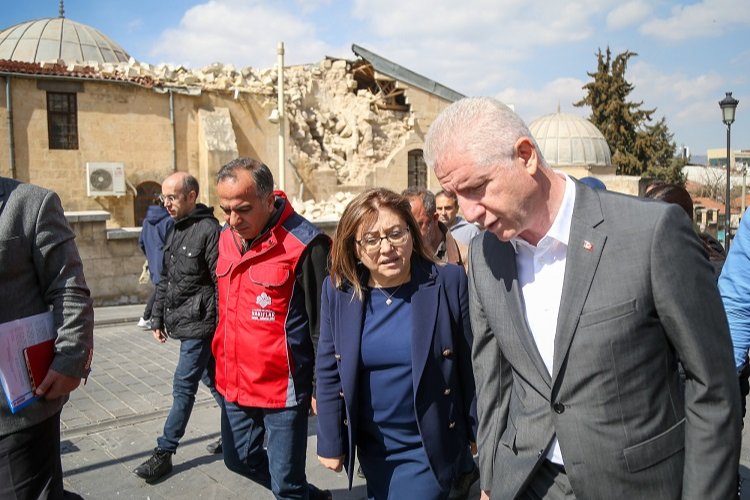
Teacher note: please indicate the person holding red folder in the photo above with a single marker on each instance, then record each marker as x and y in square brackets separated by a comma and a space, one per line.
[40, 268]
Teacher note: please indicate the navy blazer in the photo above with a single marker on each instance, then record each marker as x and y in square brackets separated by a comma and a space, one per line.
[444, 398]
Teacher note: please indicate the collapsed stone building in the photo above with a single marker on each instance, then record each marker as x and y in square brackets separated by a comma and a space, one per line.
[80, 116]
[77, 110]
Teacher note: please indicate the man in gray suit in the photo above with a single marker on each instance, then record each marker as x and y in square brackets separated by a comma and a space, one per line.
[40, 269]
[582, 303]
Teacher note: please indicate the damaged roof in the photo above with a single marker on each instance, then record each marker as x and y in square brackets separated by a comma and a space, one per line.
[398, 72]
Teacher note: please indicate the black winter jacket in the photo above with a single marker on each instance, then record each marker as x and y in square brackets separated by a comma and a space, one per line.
[185, 305]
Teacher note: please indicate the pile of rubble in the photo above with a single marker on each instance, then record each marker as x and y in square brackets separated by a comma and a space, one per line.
[327, 210]
[337, 126]
[332, 123]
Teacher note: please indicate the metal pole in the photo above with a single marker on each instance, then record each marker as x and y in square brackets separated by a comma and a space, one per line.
[11, 141]
[174, 131]
[728, 217]
[744, 187]
[282, 118]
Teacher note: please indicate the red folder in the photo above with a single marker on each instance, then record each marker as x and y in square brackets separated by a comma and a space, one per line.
[38, 360]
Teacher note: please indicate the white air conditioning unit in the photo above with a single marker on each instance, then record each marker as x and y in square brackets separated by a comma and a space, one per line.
[105, 179]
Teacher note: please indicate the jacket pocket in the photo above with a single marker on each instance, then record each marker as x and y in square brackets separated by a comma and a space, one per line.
[656, 449]
[189, 259]
[508, 438]
[607, 313]
[269, 274]
[223, 266]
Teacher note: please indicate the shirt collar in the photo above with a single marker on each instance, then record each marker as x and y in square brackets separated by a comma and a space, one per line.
[560, 228]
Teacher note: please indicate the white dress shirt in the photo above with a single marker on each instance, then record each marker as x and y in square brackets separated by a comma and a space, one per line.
[541, 271]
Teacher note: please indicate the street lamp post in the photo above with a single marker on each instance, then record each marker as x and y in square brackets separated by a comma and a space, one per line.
[728, 107]
[744, 187]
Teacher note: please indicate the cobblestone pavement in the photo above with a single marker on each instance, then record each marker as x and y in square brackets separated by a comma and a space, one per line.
[110, 425]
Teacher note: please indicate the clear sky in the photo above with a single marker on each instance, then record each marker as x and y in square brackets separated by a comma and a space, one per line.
[533, 54]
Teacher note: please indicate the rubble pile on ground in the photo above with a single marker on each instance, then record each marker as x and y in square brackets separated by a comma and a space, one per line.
[326, 210]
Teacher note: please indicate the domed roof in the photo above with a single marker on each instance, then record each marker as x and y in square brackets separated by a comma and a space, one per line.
[568, 140]
[56, 38]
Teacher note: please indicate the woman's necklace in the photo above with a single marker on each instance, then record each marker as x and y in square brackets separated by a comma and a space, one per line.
[389, 297]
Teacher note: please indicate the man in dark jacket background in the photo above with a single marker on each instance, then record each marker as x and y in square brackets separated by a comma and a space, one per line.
[185, 309]
[156, 225]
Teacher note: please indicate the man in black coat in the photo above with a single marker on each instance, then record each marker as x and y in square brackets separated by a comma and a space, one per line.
[185, 309]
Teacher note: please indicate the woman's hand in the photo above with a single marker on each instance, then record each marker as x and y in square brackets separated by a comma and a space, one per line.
[335, 464]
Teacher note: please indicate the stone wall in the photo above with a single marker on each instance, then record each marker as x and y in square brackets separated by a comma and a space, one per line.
[112, 260]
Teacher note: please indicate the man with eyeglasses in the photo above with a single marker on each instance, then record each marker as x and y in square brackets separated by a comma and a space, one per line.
[185, 309]
[272, 263]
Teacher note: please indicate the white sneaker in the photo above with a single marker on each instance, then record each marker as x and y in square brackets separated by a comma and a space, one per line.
[144, 323]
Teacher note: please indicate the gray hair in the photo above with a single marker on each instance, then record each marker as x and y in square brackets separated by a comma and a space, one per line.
[428, 199]
[480, 128]
[259, 172]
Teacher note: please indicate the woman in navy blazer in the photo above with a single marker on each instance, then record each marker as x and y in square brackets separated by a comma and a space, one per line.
[394, 379]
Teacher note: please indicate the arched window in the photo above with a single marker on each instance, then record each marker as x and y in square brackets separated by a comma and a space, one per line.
[148, 194]
[417, 176]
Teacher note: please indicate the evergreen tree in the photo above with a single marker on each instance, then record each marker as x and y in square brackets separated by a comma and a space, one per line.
[637, 148]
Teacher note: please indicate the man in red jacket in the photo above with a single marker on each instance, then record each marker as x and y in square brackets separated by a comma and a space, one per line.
[270, 270]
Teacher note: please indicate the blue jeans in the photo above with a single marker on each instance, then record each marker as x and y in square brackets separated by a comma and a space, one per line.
[195, 364]
[282, 467]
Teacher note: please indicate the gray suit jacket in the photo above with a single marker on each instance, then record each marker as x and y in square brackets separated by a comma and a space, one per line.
[638, 295]
[40, 269]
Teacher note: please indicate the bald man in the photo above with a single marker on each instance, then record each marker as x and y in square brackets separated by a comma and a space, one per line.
[185, 309]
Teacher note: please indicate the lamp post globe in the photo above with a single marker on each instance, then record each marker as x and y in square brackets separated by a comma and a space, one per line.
[728, 107]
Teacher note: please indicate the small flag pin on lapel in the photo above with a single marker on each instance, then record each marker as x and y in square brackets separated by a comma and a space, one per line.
[588, 246]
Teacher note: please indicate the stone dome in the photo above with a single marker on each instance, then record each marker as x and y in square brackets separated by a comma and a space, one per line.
[569, 140]
[50, 39]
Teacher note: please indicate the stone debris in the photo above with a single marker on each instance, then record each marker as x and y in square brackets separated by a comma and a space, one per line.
[332, 124]
[327, 210]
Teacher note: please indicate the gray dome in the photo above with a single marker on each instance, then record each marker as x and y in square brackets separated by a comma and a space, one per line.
[569, 140]
[56, 38]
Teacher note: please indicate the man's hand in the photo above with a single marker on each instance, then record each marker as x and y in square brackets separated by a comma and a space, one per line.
[160, 336]
[313, 406]
[473, 447]
[56, 384]
[485, 495]
[335, 464]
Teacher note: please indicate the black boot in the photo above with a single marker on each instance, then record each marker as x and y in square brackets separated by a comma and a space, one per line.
[215, 448]
[156, 467]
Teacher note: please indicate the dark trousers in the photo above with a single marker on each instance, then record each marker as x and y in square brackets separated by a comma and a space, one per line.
[281, 468]
[149, 305]
[195, 364]
[30, 465]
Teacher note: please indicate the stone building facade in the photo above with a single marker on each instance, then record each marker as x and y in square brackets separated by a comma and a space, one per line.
[76, 110]
[350, 124]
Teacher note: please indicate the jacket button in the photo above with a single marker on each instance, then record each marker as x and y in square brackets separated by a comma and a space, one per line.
[447, 391]
[540, 453]
[451, 424]
[447, 353]
[558, 407]
[337, 356]
[346, 422]
[341, 394]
